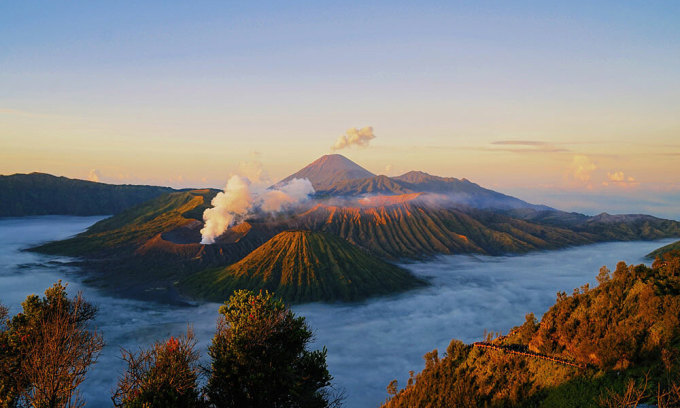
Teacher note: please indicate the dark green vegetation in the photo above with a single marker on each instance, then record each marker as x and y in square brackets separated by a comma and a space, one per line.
[666, 251]
[46, 350]
[588, 350]
[165, 375]
[44, 194]
[259, 357]
[304, 266]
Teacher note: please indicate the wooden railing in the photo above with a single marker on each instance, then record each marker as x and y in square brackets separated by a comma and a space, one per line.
[509, 350]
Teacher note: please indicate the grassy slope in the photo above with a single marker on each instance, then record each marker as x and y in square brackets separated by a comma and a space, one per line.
[44, 194]
[125, 232]
[303, 266]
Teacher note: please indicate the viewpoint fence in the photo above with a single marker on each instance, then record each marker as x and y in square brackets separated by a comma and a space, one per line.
[509, 350]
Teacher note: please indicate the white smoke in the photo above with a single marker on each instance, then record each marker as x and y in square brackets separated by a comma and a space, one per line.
[240, 199]
[354, 137]
[295, 191]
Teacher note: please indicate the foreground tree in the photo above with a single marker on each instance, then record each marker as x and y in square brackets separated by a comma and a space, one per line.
[46, 349]
[166, 375]
[259, 357]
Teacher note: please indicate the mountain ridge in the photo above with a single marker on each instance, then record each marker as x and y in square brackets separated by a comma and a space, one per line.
[301, 266]
[45, 194]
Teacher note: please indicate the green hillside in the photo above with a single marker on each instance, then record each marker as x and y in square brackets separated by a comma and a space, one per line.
[126, 232]
[304, 266]
[44, 194]
[585, 351]
[672, 249]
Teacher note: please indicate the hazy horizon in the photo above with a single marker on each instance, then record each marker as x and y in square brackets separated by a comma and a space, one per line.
[586, 202]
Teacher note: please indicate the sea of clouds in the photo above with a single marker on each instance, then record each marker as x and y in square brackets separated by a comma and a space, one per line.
[369, 343]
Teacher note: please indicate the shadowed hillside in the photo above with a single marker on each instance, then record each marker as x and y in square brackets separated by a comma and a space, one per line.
[303, 266]
[44, 194]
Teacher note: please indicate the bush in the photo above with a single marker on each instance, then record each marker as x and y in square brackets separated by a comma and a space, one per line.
[45, 351]
[166, 375]
[259, 357]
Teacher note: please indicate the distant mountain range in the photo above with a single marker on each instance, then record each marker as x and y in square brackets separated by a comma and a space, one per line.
[334, 175]
[44, 194]
[412, 216]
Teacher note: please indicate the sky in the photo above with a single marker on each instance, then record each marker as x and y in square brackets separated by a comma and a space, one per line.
[571, 104]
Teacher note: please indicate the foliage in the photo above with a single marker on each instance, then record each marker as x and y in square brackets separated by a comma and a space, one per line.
[46, 349]
[629, 318]
[259, 357]
[166, 375]
[626, 330]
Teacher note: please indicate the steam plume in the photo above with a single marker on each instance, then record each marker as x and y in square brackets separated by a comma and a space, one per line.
[240, 199]
[295, 191]
[354, 137]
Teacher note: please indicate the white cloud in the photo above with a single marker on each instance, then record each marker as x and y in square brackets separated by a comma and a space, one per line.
[619, 179]
[580, 171]
[94, 175]
[354, 137]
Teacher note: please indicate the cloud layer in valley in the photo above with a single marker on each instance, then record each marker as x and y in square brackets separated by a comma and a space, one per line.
[468, 295]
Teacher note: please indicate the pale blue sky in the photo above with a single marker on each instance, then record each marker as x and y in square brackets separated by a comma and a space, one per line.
[180, 93]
